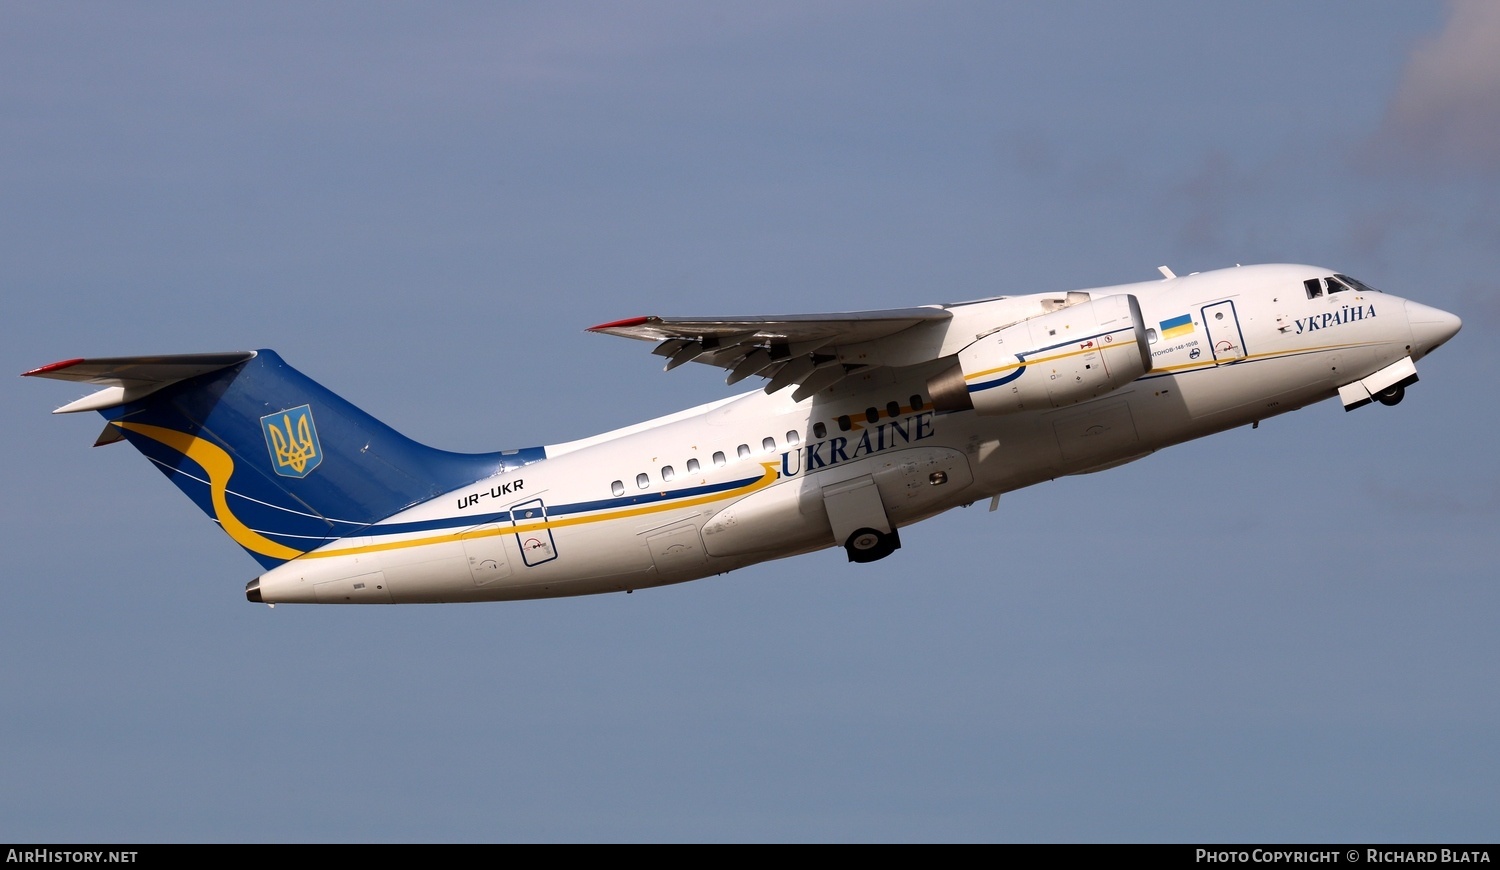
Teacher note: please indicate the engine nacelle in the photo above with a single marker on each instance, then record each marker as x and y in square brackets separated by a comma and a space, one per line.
[1049, 361]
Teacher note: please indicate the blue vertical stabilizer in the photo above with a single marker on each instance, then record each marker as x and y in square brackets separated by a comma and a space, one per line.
[280, 462]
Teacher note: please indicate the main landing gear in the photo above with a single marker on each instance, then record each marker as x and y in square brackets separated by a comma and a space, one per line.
[1391, 395]
[870, 545]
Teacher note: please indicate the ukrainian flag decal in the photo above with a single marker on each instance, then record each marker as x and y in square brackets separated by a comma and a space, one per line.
[1177, 326]
[293, 441]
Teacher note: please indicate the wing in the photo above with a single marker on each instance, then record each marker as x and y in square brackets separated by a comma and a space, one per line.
[814, 351]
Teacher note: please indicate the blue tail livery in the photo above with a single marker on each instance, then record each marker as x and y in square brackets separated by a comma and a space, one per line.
[281, 463]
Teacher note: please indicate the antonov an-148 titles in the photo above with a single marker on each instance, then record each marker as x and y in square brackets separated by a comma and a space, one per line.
[869, 421]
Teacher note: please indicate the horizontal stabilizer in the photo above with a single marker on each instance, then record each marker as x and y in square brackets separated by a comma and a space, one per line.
[130, 378]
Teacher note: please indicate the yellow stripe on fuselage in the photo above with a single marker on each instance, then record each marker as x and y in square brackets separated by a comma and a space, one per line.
[765, 480]
[219, 467]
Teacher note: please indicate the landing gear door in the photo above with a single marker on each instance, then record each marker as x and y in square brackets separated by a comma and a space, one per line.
[853, 505]
[1224, 334]
[532, 533]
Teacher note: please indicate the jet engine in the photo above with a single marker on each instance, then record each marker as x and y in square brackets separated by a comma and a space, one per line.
[1049, 361]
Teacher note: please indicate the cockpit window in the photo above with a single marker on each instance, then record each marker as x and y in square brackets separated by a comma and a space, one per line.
[1335, 284]
[1357, 284]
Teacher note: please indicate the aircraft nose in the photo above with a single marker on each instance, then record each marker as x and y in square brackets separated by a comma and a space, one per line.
[1430, 326]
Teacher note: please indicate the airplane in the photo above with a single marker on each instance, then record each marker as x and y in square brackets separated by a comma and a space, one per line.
[868, 422]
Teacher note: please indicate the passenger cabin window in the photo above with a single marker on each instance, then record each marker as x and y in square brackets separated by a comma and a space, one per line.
[916, 403]
[618, 487]
[872, 415]
[667, 473]
[719, 460]
[792, 438]
[742, 451]
[893, 409]
[1151, 335]
[692, 466]
[642, 480]
[820, 431]
[845, 424]
[768, 445]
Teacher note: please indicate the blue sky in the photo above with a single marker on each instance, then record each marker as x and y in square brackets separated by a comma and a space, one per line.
[1286, 634]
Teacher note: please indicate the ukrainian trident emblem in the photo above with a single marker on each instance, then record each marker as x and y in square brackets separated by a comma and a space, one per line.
[293, 441]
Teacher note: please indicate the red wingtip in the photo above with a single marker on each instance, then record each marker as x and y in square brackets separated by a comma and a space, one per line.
[629, 321]
[52, 367]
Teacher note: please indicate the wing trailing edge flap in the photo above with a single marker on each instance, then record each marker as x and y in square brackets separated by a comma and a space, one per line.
[801, 349]
[131, 378]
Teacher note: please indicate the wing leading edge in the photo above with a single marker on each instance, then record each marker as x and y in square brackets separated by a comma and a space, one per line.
[813, 351]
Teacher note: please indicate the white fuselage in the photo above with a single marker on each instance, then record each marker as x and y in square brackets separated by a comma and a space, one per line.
[760, 477]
